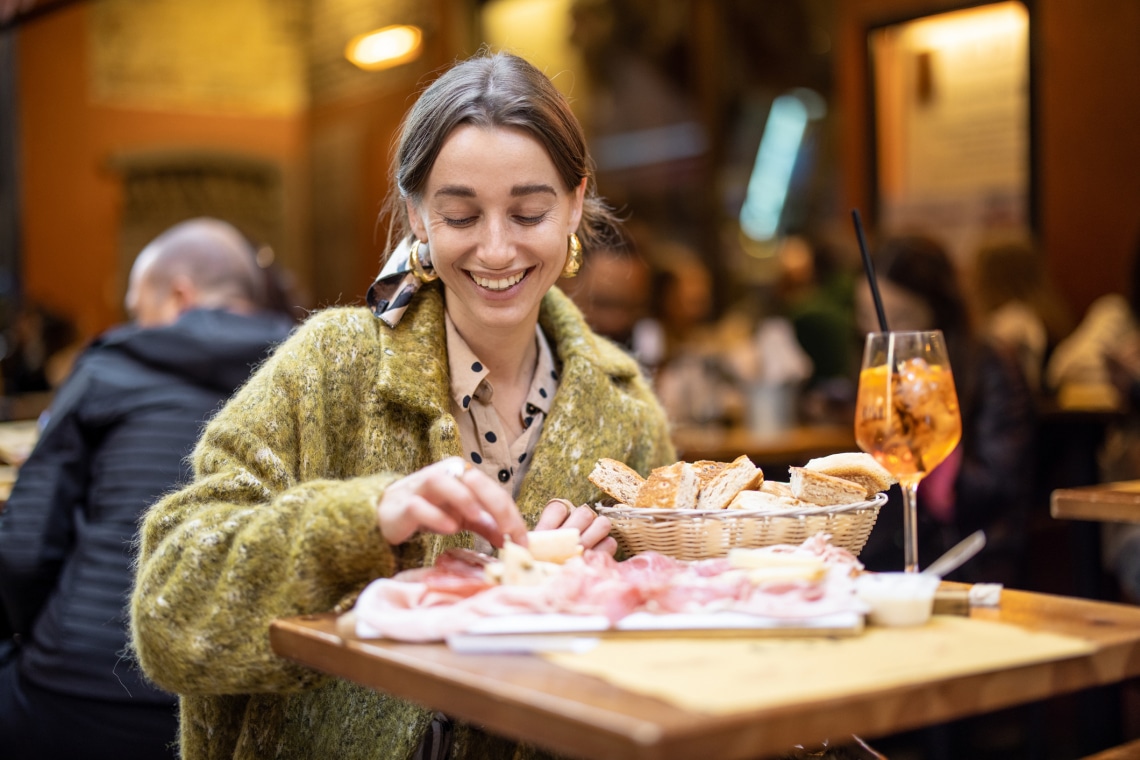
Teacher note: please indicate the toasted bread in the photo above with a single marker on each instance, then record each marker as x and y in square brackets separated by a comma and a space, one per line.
[672, 487]
[739, 476]
[855, 466]
[777, 488]
[824, 490]
[707, 470]
[764, 501]
[618, 480]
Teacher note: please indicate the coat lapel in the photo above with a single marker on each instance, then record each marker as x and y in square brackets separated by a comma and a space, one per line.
[413, 367]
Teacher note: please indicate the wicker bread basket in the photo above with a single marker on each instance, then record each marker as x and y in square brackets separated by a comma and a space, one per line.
[691, 534]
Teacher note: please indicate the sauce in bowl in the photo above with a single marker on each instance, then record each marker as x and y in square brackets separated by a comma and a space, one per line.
[897, 599]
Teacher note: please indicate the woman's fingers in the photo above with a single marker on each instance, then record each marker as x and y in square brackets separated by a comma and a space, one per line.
[593, 530]
[446, 497]
[607, 545]
[451, 493]
[477, 501]
[495, 502]
[554, 514]
[402, 515]
[597, 532]
[581, 517]
[450, 496]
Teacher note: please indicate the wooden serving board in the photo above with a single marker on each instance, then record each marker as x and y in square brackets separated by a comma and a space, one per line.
[542, 633]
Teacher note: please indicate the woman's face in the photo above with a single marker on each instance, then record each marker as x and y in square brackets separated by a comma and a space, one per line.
[497, 221]
[904, 310]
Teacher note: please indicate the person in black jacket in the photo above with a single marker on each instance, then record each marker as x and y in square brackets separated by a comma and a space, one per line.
[116, 439]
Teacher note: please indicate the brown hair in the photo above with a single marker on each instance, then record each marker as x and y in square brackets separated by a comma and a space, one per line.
[495, 90]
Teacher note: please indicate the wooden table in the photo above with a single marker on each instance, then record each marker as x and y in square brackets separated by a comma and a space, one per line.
[1107, 502]
[530, 699]
[17, 438]
[791, 447]
[1129, 751]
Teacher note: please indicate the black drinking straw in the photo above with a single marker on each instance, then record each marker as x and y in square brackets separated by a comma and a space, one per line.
[870, 269]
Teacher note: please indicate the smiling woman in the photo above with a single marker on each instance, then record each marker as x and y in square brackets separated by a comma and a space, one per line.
[498, 243]
[457, 411]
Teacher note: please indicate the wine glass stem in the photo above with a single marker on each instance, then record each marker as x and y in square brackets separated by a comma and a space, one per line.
[910, 524]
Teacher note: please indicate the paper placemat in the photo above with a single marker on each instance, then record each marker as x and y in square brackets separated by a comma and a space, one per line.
[730, 675]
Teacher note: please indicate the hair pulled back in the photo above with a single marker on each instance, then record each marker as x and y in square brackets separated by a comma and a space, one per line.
[495, 90]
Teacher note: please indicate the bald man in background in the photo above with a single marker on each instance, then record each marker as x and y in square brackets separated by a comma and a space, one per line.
[118, 435]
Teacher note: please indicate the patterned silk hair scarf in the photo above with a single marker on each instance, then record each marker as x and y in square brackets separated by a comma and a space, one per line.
[393, 289]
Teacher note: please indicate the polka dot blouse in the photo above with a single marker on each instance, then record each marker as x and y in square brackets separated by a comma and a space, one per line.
[486, 442]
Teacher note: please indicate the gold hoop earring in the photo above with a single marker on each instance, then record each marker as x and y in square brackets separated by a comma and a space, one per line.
[425, 274]
[573, 258]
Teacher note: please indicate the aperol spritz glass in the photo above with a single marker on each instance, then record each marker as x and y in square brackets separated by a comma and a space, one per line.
[906, 414]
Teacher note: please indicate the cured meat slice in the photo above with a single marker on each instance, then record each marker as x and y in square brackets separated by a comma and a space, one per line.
[428, 604]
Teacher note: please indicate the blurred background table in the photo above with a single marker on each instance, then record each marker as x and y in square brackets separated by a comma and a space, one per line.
[793, 446]
[1106, 502]
[532, 699]
[17, 438]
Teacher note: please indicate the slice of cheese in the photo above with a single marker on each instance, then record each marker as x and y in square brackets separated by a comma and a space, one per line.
[765, 566]
[555, 546]
[786, 573]
[522, 566]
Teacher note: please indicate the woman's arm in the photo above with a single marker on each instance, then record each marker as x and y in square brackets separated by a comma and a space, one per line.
[249, 542]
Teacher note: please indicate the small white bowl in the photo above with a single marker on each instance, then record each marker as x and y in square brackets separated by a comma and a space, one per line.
[897, 599]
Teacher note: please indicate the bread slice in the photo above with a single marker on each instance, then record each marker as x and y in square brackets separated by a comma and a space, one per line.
[739, 476]
[672, 487]
[857, 466]
[824, 490]
[763, 501]
[707, 470]
[617, 479]
[776, 488]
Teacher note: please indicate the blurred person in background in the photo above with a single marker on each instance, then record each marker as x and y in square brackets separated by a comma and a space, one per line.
[119, 431]
[695, 377]
[40, 345]
[283, 293]
[682, 299]
[816, 292]
[1089, 368]
[986, 482]
[613, 290]
[1119, 459]
[1018, 308]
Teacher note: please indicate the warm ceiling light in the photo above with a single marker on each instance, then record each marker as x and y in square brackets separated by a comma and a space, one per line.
[385, 47]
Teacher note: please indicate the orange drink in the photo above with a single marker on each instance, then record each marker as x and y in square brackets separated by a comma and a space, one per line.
[906, 414]
[908, 418]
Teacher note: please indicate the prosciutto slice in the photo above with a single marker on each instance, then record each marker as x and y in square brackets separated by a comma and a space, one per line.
[428, 604]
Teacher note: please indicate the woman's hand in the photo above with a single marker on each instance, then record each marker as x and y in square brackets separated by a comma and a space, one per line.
[594, 530]
[445, 498]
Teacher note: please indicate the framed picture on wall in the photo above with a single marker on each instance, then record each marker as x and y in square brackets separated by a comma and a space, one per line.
[951, 124]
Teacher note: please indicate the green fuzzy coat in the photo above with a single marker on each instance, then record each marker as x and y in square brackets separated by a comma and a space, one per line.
[281, 521]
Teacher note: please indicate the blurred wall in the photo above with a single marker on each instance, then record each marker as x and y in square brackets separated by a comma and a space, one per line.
[1086, 108]
[353, 118]
[71, 194]
[111, 87]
